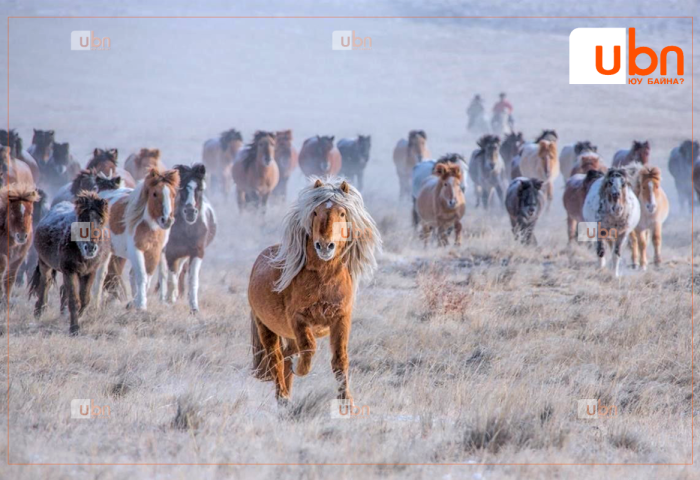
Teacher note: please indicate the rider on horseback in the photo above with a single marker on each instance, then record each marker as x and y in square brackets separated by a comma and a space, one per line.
[503, 106]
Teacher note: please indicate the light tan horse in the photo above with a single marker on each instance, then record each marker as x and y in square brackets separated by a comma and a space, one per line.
[539, 160]
[304, 288]
[440, 203]
[255, 171]
[655, 210]
[139, 164]
[407, 154]
[218, 155]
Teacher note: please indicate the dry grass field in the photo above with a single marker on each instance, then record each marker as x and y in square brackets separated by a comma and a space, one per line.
[470, 355]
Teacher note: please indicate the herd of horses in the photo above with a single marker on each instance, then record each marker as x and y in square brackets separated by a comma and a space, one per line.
[160, 221]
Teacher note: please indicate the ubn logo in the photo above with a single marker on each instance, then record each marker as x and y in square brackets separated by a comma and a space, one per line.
[86, 408]
[590, 408]
[88, 232]
[344, 231]
[86, 40]
[346, 40]
[592, 232]
[596, 56]
[347, 409]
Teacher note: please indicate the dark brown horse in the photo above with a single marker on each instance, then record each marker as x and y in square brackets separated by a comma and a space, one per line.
[194, 229]
[16, 208]
[509, 149]
[319, 157]
[355, 155]
[255, 171]
[76, 252]
[105, 162]
[41, 148]
[287, 160]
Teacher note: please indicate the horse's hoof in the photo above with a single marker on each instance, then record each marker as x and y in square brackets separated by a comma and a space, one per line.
[129, 305]
[194, 311]
[74, 329]
[283, 401]
[634, 266]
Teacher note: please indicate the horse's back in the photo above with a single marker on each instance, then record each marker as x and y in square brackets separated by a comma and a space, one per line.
[400, 151]
[567, 158]
[619, 158]
[575, 196]
[420, 172]
[425, 201]
[211, 153]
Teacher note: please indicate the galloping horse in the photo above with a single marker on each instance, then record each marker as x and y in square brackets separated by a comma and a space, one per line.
[570, 155]
[255, 171]
[41, 148]
[139, 164]
[639, 153]
[509, 149]
[319, 157]
[355, 155]
[287, 160]
[524, 203]
[612, 205]
[16, 208]
[139, 222]
[105, 162]
[78, 261]
[575, 192]
[218, 155]
[539, 160]
[194, 229]
[305, 287]
[654, 213]
[680, 164]
[486, 170]
[407, 154]
[440, 204]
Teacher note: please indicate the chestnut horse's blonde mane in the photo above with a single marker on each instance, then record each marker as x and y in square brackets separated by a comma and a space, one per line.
[359, 254]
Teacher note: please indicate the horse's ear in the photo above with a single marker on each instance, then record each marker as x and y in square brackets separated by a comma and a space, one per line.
[50, 133]
[332, 138]
[96, 152]
[155, 152]
[171, 176]
[318, 183]
[440, 169]
[646, 144]
[113, 152]
[537, 183]
[345, 187]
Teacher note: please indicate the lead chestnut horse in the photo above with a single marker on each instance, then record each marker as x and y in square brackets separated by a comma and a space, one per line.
[255, 171]
[319, 157]
[304, 288]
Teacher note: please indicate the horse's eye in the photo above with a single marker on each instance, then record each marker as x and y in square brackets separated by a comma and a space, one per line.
[154, 194]
[315, 214]
[342, 214]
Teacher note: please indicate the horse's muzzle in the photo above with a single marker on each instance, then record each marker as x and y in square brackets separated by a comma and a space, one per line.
[89, 249]
[190, 215]
[325, 252]
[166, 222]
[21, 238]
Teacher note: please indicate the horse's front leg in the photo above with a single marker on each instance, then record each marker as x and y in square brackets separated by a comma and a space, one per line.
[263, 203]
[634, 246]
[193, 290]
[458, 233]
[173, 267]
[100, 278]
[140, 278]
[499, 192]
[305, 342]
[340, 333]
[600, 251]
[617, 249]
[656, 240]
[70, 282]
[86, 282]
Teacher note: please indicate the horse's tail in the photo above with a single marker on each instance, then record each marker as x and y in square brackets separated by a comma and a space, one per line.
[36, 281]
[261, 364]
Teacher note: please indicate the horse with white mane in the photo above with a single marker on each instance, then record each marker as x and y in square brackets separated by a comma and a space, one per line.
[304, 287]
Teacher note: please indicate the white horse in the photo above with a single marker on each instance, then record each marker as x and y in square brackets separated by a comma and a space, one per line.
[614, 208]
